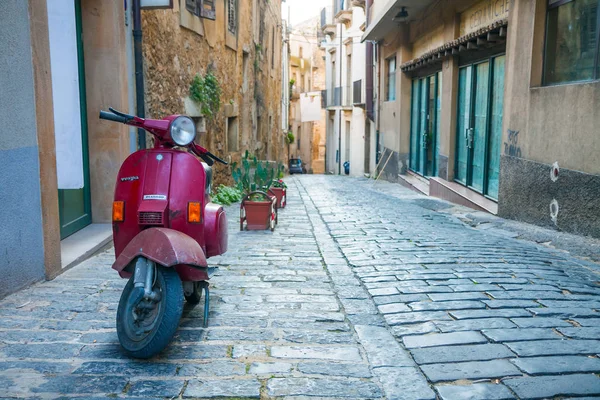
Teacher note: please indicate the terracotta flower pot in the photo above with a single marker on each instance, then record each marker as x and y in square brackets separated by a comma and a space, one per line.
[259, 215]
[280, 194]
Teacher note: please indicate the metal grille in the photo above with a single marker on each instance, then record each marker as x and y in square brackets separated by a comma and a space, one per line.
[231, 16]
[150, 218]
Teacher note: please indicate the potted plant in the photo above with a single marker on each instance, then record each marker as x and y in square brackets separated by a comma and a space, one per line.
[254, 178]
[279, 189]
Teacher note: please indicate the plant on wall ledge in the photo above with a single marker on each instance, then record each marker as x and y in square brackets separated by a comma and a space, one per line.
[289, 139]
[206, 91]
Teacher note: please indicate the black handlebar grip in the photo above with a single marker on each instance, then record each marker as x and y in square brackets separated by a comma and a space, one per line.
[112, 117]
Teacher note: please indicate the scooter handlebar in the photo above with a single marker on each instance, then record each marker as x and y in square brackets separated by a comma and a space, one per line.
[112, 117]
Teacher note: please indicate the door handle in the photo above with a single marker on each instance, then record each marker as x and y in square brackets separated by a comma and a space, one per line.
[469, 137]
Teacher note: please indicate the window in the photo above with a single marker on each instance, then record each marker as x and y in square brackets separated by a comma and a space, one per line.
[299, 138]
[232, 134]
[256, 20]
[245, 57]
[300, 52]
[273, 50]
[390, 94]
[301, 86]
[201, 8]
[232, 16]
[571, 41]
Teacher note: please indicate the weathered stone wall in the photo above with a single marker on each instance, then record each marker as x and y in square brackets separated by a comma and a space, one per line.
[248, 68]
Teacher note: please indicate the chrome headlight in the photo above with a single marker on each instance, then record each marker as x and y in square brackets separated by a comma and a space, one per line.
[183, 131]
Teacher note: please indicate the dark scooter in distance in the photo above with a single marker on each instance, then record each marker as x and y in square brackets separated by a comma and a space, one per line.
[164, 230]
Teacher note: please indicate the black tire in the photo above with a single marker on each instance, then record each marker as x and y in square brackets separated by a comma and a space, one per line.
[196, 295]
[164, 323]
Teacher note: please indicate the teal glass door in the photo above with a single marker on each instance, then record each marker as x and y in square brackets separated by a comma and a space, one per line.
[74, 205]
[425, 115]
[414, 127]
[479, 125]
[495, 140]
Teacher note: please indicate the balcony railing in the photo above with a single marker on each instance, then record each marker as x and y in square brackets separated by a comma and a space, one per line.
[357, 92]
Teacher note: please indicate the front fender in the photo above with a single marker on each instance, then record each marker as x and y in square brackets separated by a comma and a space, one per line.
[164, 246]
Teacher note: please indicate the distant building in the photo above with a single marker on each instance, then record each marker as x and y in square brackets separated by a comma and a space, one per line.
[350, 134]
[307, 80]
[492, 104]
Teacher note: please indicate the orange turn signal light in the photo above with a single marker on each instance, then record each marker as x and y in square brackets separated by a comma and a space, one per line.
[118, 214]
[194, 214]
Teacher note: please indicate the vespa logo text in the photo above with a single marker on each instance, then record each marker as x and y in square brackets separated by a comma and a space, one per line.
[155, 197]
[130, 178]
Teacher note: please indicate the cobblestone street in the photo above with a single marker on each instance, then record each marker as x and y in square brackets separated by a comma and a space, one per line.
[363, 291]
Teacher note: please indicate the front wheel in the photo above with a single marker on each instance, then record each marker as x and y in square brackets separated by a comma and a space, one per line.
[145, 327]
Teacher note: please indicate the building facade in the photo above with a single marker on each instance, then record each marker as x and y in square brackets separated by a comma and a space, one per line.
[241, 44]
[307, 80]
[60, 65]
[478, 105]
[350, 135]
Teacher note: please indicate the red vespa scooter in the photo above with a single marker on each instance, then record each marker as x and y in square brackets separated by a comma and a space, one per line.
[164, 229]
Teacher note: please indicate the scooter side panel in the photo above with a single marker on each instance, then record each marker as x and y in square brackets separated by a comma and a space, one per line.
[128, 189]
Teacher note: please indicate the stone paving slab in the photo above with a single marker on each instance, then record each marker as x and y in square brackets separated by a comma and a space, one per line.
[359, 293]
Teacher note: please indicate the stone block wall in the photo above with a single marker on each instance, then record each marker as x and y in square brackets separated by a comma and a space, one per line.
[247, 65]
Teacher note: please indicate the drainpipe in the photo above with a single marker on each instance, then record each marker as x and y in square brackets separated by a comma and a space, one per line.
[340, 110]
[139, 69]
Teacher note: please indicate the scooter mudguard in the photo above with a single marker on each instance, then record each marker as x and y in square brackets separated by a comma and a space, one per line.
[166, 247]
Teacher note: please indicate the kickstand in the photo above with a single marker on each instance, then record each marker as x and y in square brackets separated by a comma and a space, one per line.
[204, 285]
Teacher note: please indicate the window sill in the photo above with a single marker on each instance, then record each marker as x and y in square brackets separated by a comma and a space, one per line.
[575, 83]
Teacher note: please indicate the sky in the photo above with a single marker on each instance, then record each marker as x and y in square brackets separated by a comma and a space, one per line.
[301, 10]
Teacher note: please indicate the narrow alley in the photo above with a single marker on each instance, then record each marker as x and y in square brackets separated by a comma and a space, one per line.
[364, 291]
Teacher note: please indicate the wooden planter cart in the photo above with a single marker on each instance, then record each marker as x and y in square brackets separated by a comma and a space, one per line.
[258, 214]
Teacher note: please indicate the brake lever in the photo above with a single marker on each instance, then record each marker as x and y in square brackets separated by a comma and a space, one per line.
[202, 153]
[206, 159]
[208, 153]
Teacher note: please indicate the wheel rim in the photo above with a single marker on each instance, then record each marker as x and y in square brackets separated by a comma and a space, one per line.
[141, 318]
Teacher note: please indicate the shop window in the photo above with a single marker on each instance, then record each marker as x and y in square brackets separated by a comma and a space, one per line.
[390, 93]
[571, 41]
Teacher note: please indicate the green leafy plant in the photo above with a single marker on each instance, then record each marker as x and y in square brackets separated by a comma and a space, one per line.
[227, 195]
[289, 139]
[278, 183]
[253, 175]
[206, 91]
